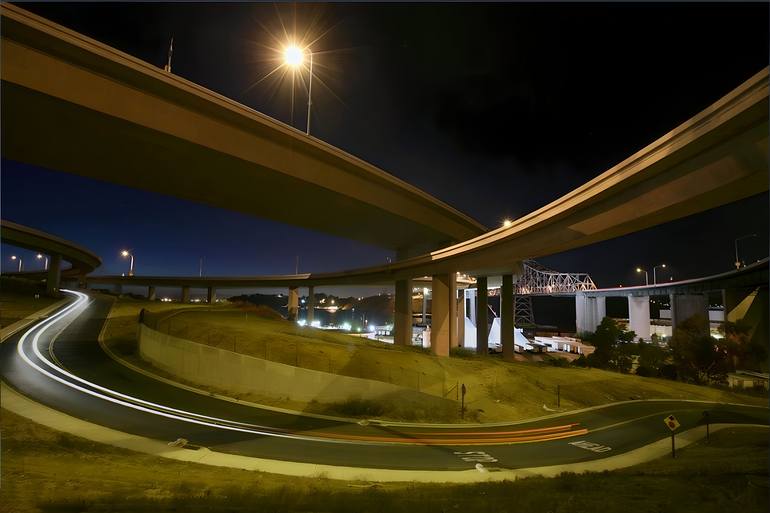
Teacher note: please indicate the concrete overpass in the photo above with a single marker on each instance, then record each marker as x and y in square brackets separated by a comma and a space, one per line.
[744, 294]
[106, 115]
[82, 260]
[717, 157]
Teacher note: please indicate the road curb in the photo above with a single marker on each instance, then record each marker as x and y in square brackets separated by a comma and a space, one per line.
[25, 407]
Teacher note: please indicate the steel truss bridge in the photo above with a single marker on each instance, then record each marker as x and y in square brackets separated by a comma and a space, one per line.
[538, 280]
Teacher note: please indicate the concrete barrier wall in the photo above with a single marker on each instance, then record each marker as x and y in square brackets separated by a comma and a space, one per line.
[238, 373]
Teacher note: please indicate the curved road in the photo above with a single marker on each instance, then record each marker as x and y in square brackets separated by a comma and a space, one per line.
[59, 362]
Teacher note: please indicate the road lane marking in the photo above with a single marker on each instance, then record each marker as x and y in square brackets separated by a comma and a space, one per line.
[591, 446]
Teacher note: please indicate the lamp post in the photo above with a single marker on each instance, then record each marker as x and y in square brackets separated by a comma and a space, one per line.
[293, 56]
[21, 261]
[646, 276]
[40, 256]
[127, 254]
[738, 260]
[654, 275]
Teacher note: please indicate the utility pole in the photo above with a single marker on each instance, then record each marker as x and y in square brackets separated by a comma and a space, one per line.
[200, 267]
[167, 67]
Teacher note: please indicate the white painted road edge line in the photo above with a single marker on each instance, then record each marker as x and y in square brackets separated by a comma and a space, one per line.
[21, 405]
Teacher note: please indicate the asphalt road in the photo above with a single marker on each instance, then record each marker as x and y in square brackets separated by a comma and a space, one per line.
[59, 362]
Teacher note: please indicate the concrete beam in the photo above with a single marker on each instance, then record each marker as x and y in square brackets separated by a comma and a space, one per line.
[151, 293]
[310, 315]
[186, 294]
[589, 312]
[685, 306]
[443, 290]
[639, 316]
[293, 304]
[54, 275]
[482, 325]
[402, 316]
[506, 317]
[211, 295]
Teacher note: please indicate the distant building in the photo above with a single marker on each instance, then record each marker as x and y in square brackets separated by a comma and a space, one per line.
[748, 379]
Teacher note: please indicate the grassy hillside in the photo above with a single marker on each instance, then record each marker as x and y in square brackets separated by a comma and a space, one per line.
[497, 390]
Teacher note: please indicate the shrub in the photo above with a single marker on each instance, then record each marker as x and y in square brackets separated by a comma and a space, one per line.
[462, 352]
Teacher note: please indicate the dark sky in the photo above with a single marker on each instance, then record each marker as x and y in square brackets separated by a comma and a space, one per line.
[496, 109]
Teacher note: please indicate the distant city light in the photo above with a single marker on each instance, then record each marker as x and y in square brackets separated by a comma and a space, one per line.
[315, 324]
[346, 326]
[302, 322]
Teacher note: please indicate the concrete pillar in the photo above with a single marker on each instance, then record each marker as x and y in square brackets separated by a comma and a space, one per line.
[482, 324]
[453, 331]
[425, 305]
[737, 302]
[151, 293]
[186, 294]
[402, 316]
[473, 295]
[461, 319]
[685, 306]
[443, 291]
[54, 274]
[211, 295]
[506, 316]
[639, 316]
[293, 304]
[310, 316]
[589, 312]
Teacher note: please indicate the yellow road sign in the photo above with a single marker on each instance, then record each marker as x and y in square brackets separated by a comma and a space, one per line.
[671, 422]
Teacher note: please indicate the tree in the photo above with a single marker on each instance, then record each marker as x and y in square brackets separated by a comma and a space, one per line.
[743, 350]
[610, 341]
[698, 357]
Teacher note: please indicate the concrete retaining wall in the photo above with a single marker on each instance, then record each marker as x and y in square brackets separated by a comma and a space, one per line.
[238, 373]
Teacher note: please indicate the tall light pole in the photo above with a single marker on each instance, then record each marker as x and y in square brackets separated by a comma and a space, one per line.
[127, 254]
[41, 256]
[293, 56]
[654, 275]
[738, 260]
[21, 261]
[646, 276]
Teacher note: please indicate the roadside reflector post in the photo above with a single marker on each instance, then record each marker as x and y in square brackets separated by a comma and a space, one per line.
[706, 418]
[462, 404]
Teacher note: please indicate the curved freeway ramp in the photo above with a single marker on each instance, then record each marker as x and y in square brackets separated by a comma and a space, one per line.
[71, 374]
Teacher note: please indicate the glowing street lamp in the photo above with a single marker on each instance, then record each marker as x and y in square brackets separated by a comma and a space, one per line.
[40, 256]
[646, 276]
[507, 223]
[654, 276]
[127, 254]
[21, 261]
[294, 56]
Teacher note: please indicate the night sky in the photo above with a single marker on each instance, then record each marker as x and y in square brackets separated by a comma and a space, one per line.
[495, 109]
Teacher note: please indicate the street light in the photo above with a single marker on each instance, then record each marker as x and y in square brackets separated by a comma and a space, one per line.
[654, 275]
[294, 56]
[737, 260]
[127, 254]
[21, 261]
[507, 223]
[646, 276]
[40, 256]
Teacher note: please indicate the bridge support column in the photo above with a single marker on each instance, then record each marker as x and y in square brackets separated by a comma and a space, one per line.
[310, 315]
[293, 304]
[186, 294]
[151, 293]
[444, 291]
[425, 306]
[482, 324]
[211, 295]
[402, 316]
[685, 306]
[639, 316]
[460, 319]
[53, 280]
[589, 312]
[119, 289]
[506, 317]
